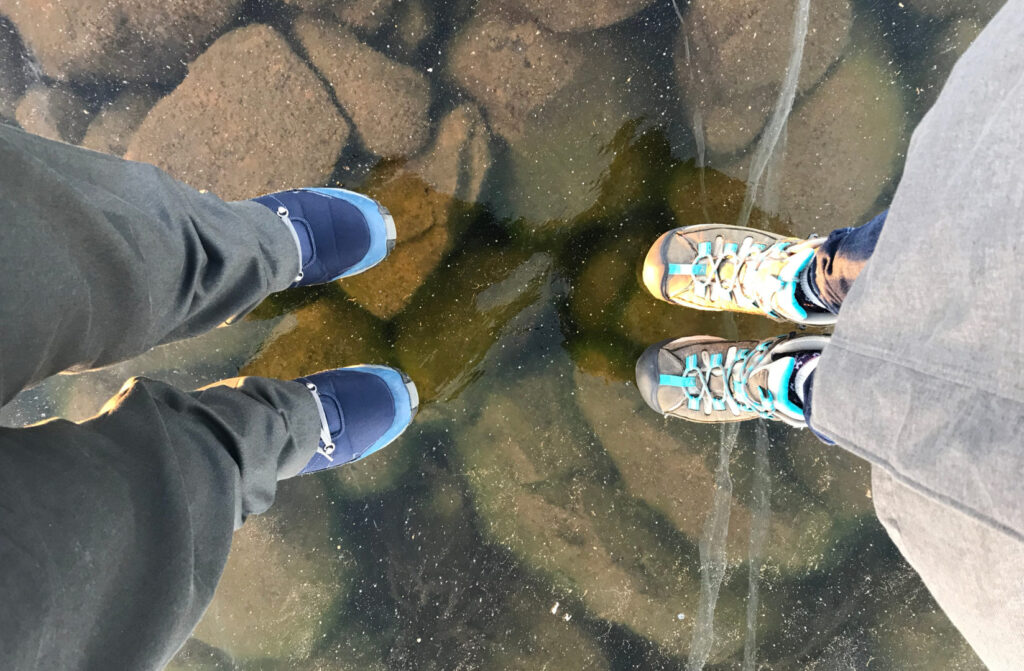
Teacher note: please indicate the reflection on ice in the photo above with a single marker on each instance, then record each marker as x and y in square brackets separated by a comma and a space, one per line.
[189, 364]
[713, 559]
[762, 492]
[780, 114]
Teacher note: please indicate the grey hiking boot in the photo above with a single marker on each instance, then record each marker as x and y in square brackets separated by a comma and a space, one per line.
[709, 379]
[719, 267]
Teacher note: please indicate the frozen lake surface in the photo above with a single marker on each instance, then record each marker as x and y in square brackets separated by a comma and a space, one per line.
[537, 515]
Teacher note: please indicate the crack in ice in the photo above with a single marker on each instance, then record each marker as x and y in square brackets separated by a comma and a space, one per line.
[780, 114]
[762, 491]
[713, 560]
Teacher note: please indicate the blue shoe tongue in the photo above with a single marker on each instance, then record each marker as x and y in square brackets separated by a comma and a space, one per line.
[342, 445]
[335, 419]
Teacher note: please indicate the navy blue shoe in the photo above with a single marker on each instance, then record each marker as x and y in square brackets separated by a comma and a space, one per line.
[362, 409]
[338, 232]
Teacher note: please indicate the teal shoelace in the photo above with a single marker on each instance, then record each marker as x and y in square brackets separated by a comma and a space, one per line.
[735, 369]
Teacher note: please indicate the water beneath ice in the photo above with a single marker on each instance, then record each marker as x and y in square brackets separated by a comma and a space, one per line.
[538, 515]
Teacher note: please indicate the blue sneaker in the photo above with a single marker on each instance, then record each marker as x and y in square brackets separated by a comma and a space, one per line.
[362, 409]
[337, 232]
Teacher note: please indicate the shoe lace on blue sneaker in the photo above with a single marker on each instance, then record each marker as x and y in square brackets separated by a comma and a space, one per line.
[326, 446]
[282, 212]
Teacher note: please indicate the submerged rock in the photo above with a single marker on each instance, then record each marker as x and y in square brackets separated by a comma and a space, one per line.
[561, 16]
[511, 66]
[646, 320]
[949, 44]
[604, 356]
[943, 9]
[250, 118]
[122, 40]
[284, 574]
[112, 129]
[464, 606]
[840, 480]
[367, 16]
[56, 113]
[382, 470]
[328, 333]
[538, 95]
[664, 463]
[423, 218]
[607, 276]
[12, 69]
[583, 120]
[327, 663]
[738, 55]
[357, 651]
[554, 187]
[711, 197]
[429, 198]
[198, 656]
[545, 491]
[923, 640]
[414, 24]
[387, 100]
[633, 188]
[185, 364]
[539, 638]
[460, 158]
[843, 147]
[458, 316]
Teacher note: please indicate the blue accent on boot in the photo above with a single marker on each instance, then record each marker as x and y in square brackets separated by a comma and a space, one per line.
[340, 232]
[687, 269]
[781, 394]
[677, 381]
[366, 407]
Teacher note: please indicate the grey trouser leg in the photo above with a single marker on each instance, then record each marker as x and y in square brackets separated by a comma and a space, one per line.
[923, 376]
[114, 532]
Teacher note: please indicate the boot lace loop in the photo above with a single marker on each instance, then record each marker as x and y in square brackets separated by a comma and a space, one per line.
[712, 258]
[735, 370]
[326, 446]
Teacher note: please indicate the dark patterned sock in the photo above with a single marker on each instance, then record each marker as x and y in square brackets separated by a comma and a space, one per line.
[796, 381]
[805, 294]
